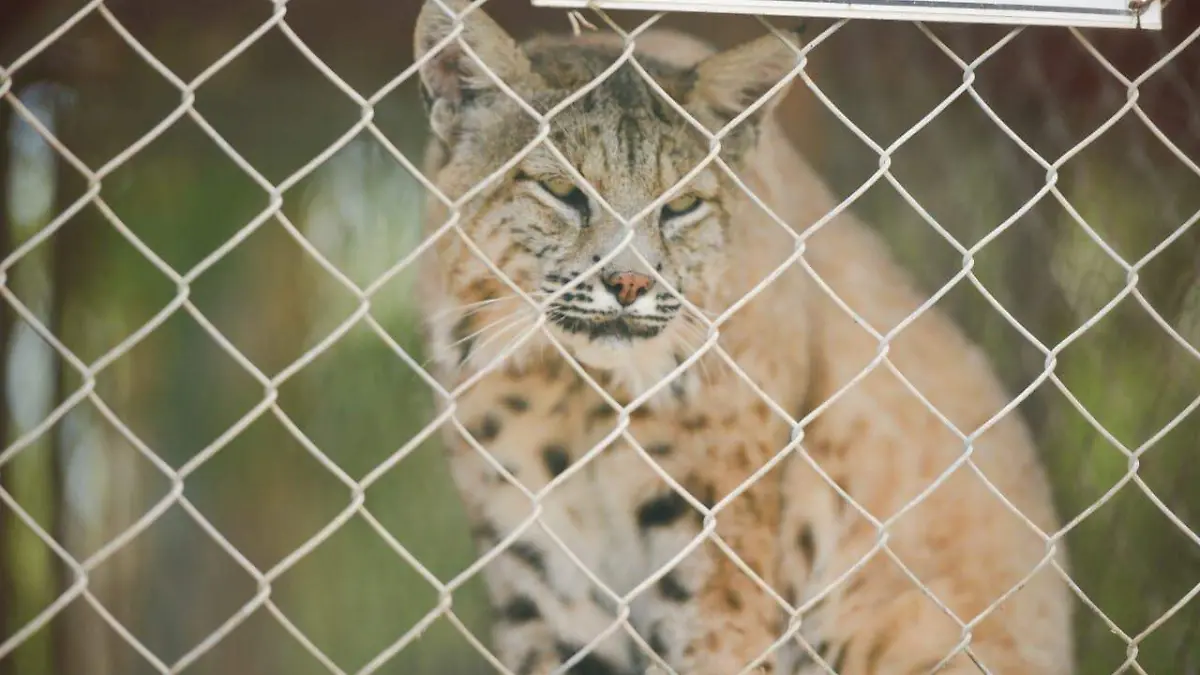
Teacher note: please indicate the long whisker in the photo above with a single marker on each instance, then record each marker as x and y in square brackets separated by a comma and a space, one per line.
[705, 375]
[701, 335]
[708, 313]
[680, 298]
[495, 325]
[487, 327]
[696, 325]
[470, 308]
[474, 307]
[515, 322]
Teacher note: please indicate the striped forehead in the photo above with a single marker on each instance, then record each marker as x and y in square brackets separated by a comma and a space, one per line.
[567, 67]
[622, 129]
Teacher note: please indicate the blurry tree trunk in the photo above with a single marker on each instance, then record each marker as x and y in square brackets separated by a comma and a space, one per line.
[12, 16]
[6, 519]
[62, 274]
[77, 252]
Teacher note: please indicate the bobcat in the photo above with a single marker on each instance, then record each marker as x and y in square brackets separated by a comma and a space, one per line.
[639, 488]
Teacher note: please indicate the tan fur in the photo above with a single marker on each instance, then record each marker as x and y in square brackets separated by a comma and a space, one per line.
[712, 432]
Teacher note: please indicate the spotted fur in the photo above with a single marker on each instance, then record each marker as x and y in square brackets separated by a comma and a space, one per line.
[579, 504]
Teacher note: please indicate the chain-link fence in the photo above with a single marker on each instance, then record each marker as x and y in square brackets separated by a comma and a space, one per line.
[222, 430]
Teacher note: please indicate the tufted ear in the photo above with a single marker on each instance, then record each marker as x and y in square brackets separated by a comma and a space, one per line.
[450, 78]
[728, 82]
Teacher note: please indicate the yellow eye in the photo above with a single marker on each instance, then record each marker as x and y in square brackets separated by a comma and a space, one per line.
[681, 205]
[560, 187]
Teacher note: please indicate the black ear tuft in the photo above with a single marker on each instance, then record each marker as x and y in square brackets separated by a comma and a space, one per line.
[450, 76]
[729, 82]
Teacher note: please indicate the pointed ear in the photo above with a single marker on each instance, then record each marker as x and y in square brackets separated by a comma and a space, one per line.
[728, 82]
[450, 77]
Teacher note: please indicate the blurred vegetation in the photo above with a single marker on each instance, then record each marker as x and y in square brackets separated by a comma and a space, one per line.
[178, 391]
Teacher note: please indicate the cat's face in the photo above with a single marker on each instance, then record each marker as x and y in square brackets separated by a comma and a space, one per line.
[631, 149]
[659, 234]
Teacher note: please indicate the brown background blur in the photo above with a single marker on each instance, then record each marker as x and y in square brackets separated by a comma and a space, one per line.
[84, 482]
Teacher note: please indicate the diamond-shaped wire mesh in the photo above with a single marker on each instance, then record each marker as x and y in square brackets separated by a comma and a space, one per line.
[223, 436]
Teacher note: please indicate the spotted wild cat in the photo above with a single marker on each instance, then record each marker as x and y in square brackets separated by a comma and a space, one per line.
[711, 431]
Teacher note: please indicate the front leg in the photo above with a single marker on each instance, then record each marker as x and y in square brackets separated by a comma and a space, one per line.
[546, 608]
[541, 623]
[739, 621]
[901, 633]
[707, 616]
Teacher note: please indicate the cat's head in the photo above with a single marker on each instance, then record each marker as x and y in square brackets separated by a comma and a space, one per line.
[542, 227]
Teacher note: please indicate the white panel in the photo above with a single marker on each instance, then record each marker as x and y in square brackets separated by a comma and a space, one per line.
[1081, 13]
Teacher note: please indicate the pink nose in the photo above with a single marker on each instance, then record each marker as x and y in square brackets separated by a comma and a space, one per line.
[627, 287]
